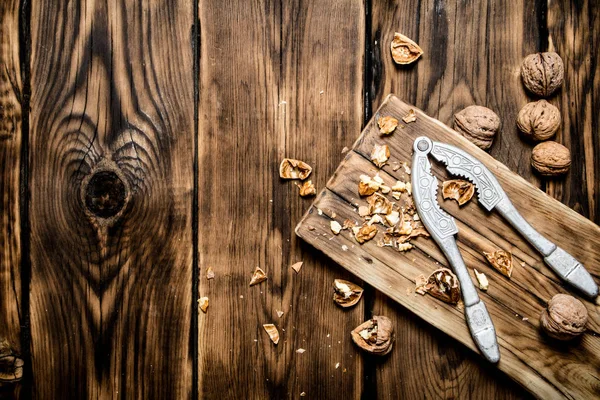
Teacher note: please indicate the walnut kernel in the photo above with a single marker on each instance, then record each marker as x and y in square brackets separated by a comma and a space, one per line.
[387, 125]
[307, 189]
[564, 318]
[364, 233]
[551, 158]
[542, 73]
[380, 155]
[478, 124]
[539, 120]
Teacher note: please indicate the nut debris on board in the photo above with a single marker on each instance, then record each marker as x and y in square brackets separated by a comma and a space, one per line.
[501, 260]
[307, 189]
[300, 351]
[387, 125]
[345, 293]
[378, 204]
[279, 313]
[375, 336]
[294, 169]
[410, 117]
[420, 284]
[203, 304]
[441, 284]
[296, 266]
[210, 274]
[380, 155]
[273, 332]
[335, 226]
[364, 233]
[404, 50]
[457, 189]
[258, 276]
[482, 280]
[564, 318]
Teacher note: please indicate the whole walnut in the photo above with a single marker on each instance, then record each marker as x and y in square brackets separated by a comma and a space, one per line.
[539, 120]
[542, 73]
[478, 124]
[551, 158]
[565, 317]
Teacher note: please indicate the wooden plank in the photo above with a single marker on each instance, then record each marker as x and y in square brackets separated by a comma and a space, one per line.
[508, 300]
[270, 89]
[112, 122]
[11, 97]
[445, 80]
[574, 31]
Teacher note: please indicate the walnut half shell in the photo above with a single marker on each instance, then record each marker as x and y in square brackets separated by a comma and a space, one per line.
[294, 169]
[565, 317]
[346, 294]
[375, 336]
[442, 284]
[460, 190]
[405, 50]
[501, 260]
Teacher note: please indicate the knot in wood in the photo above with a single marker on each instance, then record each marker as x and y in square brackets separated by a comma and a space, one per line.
[105, 194]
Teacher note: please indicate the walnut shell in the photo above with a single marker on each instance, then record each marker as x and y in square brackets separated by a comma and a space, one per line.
[501, 260]
[404, 50]
[542, 73]
[551, 158]
[443, 284]
[458, 189]
[539, 120]
[375, 336]
[565, 317]
[294, 169]
[478, 124]
[345, 293]
[11, 365]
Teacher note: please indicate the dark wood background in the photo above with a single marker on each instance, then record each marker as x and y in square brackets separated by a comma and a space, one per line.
[193, 105]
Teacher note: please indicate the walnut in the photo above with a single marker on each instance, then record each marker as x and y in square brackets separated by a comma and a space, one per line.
[273, 332]
[364, 233]
[542, 73]
[459, 190]
[501, 260]
[294, 169]
[565, 317]
[203, 304]
[379, 204]
[404, 50]
[387, 125]
[478, 124]
[539, 120]
[375, 336]
[346, 294]
[551, 158]
[443, 284]
[11, 365]
[258, 276]
[484, 284]
[307, 189]
[380, 155]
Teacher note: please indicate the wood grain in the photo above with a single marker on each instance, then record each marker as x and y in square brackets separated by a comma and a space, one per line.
[284, 81]
[530, 359]
[574, 33]
[11, 97]
[112, 122]
[453, 34]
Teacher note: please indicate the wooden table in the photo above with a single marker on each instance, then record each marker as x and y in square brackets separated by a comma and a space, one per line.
[139, 146]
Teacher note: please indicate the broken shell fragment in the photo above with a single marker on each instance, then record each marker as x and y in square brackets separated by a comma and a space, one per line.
[367, 186]
[335, 226]
[203, 304]
[380, 155]
[11, 365]
[375, 336]
[443, 284]
[258, 276]
[387, 124]
[482, 280]
[296, 267]
[346, 294]
[410, 117]
[210, 274]
[460, 190]
[379, 204]
[307, 189]
[420, 284]
[273, 332]
[404, 50]
[294, 169]
[364, 233]
[501, 260]
[363, 211]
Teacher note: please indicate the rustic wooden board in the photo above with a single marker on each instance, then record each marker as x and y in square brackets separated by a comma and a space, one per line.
[111, 298]
[444, 81]
[271, 87]
[546, 368]
[11, 98]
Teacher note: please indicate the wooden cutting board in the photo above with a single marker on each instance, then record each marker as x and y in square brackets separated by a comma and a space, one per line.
[547, 368]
